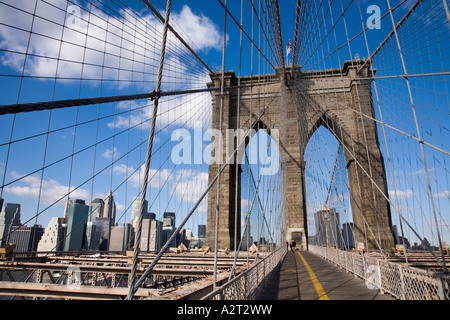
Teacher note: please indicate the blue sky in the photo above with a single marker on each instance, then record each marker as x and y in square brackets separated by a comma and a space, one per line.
[202, 22]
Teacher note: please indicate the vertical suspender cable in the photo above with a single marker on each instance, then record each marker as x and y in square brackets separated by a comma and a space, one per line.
[133, 290]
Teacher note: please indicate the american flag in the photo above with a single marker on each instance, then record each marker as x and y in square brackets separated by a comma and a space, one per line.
[289, 47]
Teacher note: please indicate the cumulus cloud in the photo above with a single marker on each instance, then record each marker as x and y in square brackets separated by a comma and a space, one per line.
[51, 190]
[401, 194]
[201, 30]
[70, 41]
[109, 153]
[443, 194]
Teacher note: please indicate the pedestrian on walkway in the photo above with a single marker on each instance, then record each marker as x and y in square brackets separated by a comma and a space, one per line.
[293, 245]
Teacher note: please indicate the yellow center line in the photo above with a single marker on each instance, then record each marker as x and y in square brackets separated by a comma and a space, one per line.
[317, 285]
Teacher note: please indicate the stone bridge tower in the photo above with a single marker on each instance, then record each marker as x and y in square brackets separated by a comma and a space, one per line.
[299, 103]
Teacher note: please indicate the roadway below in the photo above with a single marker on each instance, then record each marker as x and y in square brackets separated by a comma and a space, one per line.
[305, 276]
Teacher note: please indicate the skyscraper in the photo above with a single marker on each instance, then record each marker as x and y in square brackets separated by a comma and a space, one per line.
[109, 211]
[120, 239]
[9, 216]
[135, 211]
[93, 227]
[25, 238]
[168, 228]
[76, 226]
[247, 239]
[155, 235]
[328, 231]
[202, 231]
[347, 234]
[53, 237]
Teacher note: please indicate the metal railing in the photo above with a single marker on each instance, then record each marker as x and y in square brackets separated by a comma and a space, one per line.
[401, 281]
[247, 284]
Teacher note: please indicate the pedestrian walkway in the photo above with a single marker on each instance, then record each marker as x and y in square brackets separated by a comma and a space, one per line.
[305, 276]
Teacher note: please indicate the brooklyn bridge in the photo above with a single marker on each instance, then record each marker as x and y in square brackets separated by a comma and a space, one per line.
[224, 150]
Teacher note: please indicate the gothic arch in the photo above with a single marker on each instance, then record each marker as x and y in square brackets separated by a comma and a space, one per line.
[298, 107]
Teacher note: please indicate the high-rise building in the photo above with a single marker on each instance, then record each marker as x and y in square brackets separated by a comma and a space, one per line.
[93, 227]
[202, 231]
[155, 235]
[76, 226]
[109, 211]
[347, 235]
[171, 216]
[328, 231]
[102, 215]
[53, 237]
[168, 228]
[105, 224]
[136, 207]
[9, 216]
[121, 238]
[25, 238]
[145, 235]
[66, 208]
[247, 239]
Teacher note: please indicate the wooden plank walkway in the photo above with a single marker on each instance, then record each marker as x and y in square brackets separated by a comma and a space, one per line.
[305, 276]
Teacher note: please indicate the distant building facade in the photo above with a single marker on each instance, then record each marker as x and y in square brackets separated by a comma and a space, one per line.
[25, 238]
[76, 226]
[53, 237]
[9, 216]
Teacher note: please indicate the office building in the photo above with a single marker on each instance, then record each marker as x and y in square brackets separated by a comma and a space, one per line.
[76, 226]
[9, 216]
[25, 238]
[202, 231]
[53, 237]
[93, 227]
[347, 235]
[145, 235]
[328, 229]
[121, 238]
[155, 235]
[136, 207]
[168, 229]
[109, 210]
[247, 239]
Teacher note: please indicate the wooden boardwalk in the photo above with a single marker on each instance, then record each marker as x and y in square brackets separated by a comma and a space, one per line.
[305, 276]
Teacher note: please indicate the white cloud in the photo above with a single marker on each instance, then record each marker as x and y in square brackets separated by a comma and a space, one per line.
[201, 30]
[109, 153]
[443, 194]
[51, 190]
[95, 44]
[401, 194]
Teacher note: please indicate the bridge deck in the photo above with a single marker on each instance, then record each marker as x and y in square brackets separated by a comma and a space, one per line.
[305, 276]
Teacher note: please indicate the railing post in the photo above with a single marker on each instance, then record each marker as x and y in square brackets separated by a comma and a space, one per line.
[379, 277]
[402, 282]
[440, 286]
